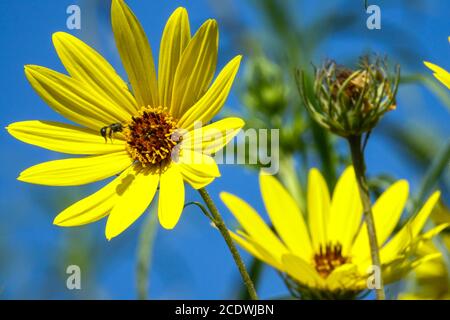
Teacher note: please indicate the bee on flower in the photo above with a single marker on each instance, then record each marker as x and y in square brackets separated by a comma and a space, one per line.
[143, 121]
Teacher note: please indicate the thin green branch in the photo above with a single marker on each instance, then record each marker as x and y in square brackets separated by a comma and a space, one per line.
[255, 272]
[360, 173]
[220, 224]
[202, 208]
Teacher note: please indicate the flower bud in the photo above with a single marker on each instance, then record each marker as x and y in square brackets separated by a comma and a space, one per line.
[350, 102]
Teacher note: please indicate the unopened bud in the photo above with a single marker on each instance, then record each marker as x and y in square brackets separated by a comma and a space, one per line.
[350, 102]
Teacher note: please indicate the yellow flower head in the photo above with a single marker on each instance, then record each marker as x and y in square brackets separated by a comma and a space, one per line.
[441, 74]
[143, 135]
[329, 256]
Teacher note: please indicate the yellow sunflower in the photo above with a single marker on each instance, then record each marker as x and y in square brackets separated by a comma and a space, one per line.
[144, 135]
[329, 255]
[441, 74]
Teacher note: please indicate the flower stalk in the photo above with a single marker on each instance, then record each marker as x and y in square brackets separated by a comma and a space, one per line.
[220, 224]
[350, 103]
[359, 166]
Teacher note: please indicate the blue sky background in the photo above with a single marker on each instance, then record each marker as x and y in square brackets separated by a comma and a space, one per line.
[191, 261]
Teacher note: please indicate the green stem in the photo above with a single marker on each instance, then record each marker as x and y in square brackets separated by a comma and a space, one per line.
[145, 249]
[360, 172]
[255, 271]
[220, 224]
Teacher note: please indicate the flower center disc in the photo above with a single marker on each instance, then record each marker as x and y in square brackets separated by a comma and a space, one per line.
[329, 258]
[150, 136]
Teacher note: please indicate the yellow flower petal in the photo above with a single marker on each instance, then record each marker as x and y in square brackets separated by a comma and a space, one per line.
[318, 199]
[63, 137]
[397, 269]
[302, 271]
[213, 137]
[135, 194]
[197, 169]
[444, 78]
[212, 101]
[175, 38]
[343, 277]
[441, 74]
[387, 211]
[94, 207]
[398, 259]
[85, 64]
[171, 197]
[257, 251]
[345, 212]
[74, 99]
[285, 216]
[195, 180]
[410, 231]
[246, 245]
[253, 224]
[434, 68]
[196, 69]
[76, 171]
[135, 53]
